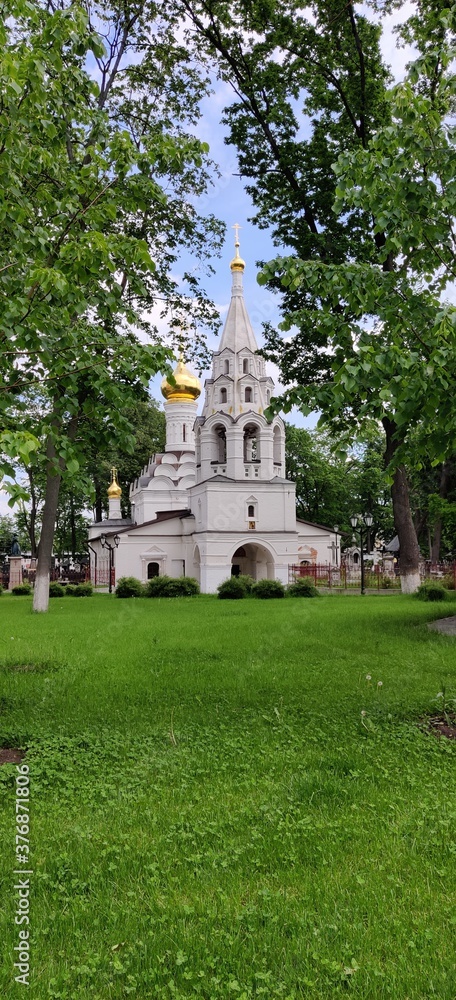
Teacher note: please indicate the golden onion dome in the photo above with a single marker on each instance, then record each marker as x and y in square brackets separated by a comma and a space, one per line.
[114, 490]
[187, 386]
[237, 264]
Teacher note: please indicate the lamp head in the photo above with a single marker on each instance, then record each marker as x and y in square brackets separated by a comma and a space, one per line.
[368, 520]
[354, 520]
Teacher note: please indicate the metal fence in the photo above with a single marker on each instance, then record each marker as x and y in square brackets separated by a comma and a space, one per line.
[348, 577]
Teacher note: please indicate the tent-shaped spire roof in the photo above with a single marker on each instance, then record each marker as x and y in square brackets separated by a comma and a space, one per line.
[237, 332]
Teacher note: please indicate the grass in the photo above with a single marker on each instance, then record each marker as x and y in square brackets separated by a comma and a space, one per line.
[211, 815]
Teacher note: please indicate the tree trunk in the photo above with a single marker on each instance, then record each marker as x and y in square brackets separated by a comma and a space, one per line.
[443, 493]
[73, 529]
[30, 519]
[98, 502]
[43, 569]
[409, 556]
[33, 513]
[53, 479]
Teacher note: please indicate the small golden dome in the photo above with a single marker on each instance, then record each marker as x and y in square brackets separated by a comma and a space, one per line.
[114, 490]
[187, 386]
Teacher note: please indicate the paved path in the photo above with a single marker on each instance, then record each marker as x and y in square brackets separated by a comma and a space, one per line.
[446, 625]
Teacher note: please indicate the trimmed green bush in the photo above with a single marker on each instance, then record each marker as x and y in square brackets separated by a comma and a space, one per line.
[22, 590]
[157, 585]
[129, 586]
[247, 582]
[268, 588]
[182, 586]
[56, 589]
[169, 586]
[1, 590]
[304, 587]
[83, 590]
[231, 589]
[429, 591]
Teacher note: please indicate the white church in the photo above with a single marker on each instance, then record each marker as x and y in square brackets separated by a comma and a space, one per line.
[217, 502]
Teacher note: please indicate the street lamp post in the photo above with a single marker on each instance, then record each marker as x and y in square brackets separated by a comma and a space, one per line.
[368, 521]
[107, 545]
[95, 553]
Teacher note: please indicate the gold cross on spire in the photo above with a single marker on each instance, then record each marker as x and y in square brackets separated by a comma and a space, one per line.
[237, 264]
[236, 227]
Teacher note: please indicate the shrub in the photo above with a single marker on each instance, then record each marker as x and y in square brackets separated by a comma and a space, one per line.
[181, 586]
[268, 588]
[304, 587]
[157, 586]
[83, 590]
[247, 582]
[1, 590]
[231, 589]
[429, 591]
[56, 589]
[129, 586]
[172, 586]
[70, 589]
[448, 581]
[22, 590]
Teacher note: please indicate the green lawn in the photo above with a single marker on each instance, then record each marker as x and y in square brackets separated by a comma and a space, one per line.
[212, 816]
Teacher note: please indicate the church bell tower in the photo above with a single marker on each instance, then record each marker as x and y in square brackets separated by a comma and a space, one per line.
[233, 437]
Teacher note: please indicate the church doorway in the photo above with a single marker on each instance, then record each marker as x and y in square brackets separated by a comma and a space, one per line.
[253, 560]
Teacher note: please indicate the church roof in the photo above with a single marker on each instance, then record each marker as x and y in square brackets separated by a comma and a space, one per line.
[313, 524]
[237, 332]
[162, 515]
[113, 523]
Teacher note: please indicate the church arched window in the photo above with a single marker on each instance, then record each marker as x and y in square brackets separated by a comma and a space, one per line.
[223, 395]
[248, 394]
[219, 444]
[226, 366]
[153, 569]
[277, 446]
[198, 446]
[251, 510]
[251, 444]
[245, 366]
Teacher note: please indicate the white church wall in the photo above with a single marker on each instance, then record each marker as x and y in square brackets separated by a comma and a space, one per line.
[222, 506]
[163, 542]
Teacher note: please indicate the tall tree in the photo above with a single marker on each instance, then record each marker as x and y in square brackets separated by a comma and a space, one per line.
[98, 182]
[311, 86]
[331, 486]
[149, 432]
[392, 339]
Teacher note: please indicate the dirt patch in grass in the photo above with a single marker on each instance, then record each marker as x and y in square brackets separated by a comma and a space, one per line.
[11, 755]
[442, 725]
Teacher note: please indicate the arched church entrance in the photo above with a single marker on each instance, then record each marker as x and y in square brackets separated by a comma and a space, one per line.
[254, 560]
